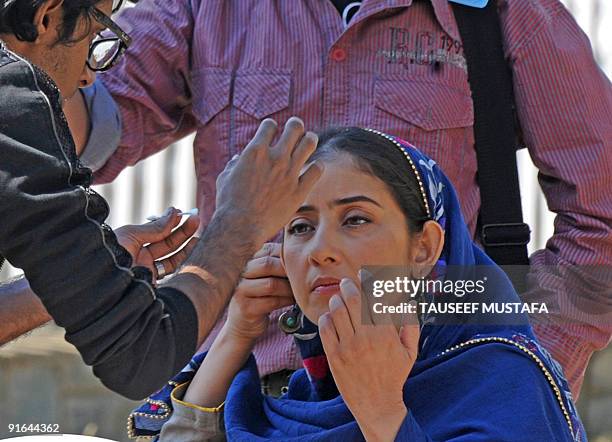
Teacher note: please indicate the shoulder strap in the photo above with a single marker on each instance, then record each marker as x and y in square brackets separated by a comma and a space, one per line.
[502, 230]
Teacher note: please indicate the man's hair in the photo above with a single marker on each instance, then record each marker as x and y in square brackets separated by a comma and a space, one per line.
[17, 17]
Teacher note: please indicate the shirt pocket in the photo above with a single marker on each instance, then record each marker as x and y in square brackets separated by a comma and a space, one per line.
[435, 117]
[211, 93]
[258, 94]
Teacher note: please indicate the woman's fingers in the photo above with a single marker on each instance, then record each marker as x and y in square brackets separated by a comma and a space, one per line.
[261, 287]
[269, 249]
[170, 241]
[264, 267]
[341, 318]
[265, 263]
[261, 296]
[361, 313]
[351, 295]
[329, 337]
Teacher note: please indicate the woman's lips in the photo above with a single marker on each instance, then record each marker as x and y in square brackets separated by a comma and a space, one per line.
[327, 289]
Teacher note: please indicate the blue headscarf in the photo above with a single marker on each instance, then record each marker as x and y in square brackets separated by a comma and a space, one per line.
[474, 379]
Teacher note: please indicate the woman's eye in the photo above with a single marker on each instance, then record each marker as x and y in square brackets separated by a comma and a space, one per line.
[300, 228]
[356, 220]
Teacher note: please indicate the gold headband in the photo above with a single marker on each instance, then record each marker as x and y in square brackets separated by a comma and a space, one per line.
[416, 171]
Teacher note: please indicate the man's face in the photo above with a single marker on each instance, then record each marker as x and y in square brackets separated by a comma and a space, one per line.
[66, 63]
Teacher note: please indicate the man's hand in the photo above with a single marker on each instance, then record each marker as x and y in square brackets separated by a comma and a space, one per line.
[266, 183]
[152, 241]
[20, 309]
[256, 195]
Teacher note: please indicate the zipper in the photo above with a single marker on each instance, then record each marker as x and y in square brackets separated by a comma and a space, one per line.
[532, 355]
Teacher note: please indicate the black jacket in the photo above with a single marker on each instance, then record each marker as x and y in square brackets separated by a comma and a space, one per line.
[52, 226]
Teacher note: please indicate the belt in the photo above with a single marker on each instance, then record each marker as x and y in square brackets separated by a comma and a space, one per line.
[276, 384]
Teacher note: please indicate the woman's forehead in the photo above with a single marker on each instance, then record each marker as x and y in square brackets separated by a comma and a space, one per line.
[343, 178]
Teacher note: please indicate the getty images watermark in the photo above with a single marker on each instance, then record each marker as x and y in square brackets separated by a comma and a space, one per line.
[410, 288]
[447, 295]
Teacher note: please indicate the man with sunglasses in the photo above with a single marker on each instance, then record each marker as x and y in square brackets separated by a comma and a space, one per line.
[52, 224]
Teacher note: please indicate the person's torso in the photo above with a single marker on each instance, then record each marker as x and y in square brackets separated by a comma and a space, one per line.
[397, 69]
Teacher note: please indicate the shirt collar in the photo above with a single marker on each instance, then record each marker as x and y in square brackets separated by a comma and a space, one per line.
[446, 18]
[442, 10]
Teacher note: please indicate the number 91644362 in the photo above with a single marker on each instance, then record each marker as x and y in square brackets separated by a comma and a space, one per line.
[33, 428]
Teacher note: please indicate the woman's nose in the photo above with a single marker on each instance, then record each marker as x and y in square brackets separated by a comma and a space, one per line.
[87, 77]
[323, 248]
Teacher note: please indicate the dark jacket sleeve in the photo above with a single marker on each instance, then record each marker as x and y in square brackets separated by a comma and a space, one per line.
[52, 227]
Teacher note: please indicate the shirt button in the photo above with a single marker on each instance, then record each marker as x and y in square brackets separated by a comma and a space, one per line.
[338, 54]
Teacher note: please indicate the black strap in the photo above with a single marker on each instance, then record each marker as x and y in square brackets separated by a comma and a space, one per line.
[502, 230]
[342, 5]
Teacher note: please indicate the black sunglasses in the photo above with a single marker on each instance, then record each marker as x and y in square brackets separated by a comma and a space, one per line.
[105, 51]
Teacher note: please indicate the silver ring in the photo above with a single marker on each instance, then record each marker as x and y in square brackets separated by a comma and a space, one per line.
[161, 269]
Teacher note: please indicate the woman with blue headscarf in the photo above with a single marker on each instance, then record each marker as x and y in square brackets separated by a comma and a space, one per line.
[454, 376]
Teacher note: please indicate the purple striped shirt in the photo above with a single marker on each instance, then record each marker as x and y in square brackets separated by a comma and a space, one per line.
[219, 67]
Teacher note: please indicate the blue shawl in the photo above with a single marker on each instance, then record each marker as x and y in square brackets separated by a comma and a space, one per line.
[474, 379]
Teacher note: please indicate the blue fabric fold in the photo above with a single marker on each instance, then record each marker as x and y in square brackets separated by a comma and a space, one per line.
[105, 126]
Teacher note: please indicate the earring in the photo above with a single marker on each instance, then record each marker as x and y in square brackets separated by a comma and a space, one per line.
[291, 320]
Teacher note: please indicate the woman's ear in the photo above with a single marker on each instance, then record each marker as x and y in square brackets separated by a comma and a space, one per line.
[428, 246]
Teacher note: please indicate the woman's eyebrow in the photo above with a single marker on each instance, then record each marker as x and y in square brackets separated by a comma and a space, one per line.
[340, 202]
[305, 209]
[355, 199]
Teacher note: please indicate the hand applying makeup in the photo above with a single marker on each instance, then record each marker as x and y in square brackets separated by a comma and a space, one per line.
[160, 241]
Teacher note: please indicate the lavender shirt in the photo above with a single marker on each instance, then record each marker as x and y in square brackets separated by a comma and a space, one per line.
[219, 67]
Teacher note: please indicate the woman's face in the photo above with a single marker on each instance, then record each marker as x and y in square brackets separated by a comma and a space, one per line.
[349, 220]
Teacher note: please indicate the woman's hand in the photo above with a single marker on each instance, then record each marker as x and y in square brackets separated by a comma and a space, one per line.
[263, 288]
[151, 241]
[370, 363]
